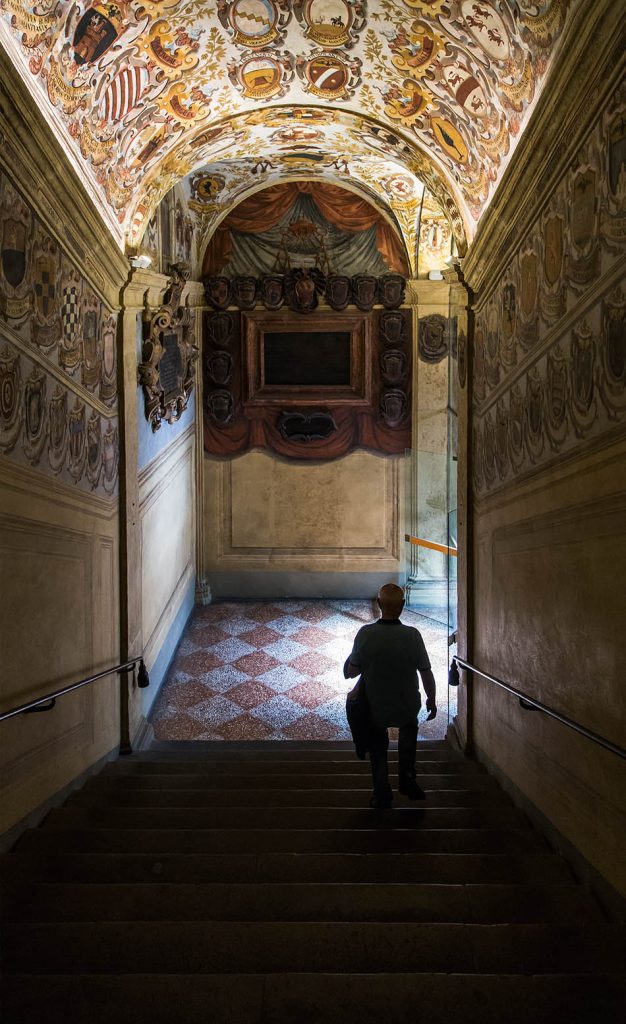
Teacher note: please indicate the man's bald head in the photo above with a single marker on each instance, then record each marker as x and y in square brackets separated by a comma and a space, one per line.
[391, 600]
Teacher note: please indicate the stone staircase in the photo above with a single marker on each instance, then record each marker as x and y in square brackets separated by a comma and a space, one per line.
[251, 884]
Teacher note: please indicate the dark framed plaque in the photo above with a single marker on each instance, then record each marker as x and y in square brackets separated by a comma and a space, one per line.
[288, 361]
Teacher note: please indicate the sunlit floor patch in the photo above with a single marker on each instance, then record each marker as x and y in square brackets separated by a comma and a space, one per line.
[273, 670]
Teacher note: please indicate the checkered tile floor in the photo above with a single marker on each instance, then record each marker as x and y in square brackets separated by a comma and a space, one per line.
[270, 671]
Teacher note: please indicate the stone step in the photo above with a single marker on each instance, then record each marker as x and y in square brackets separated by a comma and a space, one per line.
[279, 754]
[316, 998]
[278, 818]
[179, 840]
[321, 901]
[361, 781]
[124, 796]
[327, 747]
[416, 868]
[266, 947]
[282, 767]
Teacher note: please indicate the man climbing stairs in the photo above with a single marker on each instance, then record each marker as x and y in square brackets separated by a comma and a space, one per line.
[252, 884]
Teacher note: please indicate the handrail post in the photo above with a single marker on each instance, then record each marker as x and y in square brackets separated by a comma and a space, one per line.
[125, 744]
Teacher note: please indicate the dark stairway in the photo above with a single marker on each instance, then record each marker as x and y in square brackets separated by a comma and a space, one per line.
[251, 884]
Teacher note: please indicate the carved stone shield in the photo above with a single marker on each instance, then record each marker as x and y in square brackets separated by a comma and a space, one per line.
[553, 249]
[364, 291]
[304, 427]
[244, 291]
[272, 288]
[302, 287]
[338, 291]
[391, 290]
[219, 328]
[9, 385]
[393, 366]
[220, 406]
[392, 328]
[220, 366]
[217, 290]
[14, 252]
[433, 338]
[393, 407]
[583, 208]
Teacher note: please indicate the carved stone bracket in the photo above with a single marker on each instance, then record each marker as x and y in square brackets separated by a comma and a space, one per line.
[166, 372]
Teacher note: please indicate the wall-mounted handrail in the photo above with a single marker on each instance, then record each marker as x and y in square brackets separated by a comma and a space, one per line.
[48, 701]
[431, 544]
[538, 706]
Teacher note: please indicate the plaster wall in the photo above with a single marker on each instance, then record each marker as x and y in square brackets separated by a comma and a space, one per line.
[166, 514]
[303, 522]
[548, 461]
[59, 459]
[59, 563]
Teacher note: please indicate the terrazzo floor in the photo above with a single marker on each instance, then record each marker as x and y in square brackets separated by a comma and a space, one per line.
[273, 670]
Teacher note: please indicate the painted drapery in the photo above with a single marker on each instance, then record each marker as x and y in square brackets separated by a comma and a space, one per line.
[265, 212]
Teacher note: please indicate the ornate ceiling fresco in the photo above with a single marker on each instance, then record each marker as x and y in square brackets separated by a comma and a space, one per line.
[288, 148]
[144, 92]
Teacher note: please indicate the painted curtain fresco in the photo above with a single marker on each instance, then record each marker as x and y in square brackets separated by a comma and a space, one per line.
[356, 238]
[58, 366]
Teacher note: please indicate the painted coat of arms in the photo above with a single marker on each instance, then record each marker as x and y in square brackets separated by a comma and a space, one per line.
[528, 298]
[331, 23]
[552, 295]
[45, 322]
[71, 319]
[10, 394]
[15, 232]
[583, 264]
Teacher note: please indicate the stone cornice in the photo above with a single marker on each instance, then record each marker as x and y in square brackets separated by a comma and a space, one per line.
[589, 60]
[34, 160]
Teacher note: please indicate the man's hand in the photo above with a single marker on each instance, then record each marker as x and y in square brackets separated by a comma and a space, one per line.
[431, 707]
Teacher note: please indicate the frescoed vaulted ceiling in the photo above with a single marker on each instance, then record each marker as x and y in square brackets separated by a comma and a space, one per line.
[390, 97]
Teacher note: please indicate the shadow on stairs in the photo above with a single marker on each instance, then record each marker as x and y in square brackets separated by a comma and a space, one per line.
[252, 884]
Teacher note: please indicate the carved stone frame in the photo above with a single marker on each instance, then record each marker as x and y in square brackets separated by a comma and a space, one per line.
[166, 399]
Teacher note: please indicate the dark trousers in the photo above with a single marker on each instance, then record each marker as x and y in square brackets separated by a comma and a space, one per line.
[379, 744]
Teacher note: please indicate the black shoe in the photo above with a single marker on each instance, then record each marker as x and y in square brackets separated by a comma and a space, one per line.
[379, 803]
[410, 788]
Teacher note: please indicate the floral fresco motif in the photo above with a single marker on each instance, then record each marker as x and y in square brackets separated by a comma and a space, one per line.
[136, 88]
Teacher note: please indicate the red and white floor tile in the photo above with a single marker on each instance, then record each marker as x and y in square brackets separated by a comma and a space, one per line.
[273, 670]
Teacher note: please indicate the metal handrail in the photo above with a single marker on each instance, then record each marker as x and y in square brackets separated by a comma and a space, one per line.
[529, 703]
[49, 700]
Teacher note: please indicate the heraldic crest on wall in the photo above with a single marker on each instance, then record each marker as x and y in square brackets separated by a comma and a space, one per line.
[167, 370]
